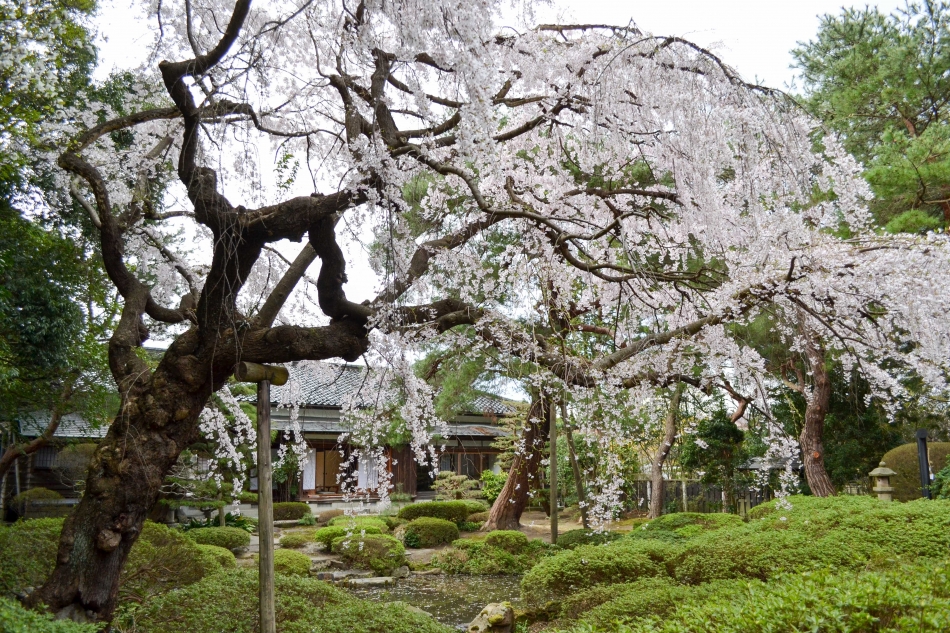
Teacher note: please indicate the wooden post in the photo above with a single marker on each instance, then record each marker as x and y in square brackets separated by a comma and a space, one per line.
[265, 509]
[263, 375]
[552, 458]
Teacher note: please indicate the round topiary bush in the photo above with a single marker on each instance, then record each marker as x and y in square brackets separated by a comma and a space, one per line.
[378, 552]
[475, 505]
[511, 541]
[454, 511]
[359, 522]
[221, 556]
[294, 540]
[326, 515]
[36, 494]
[903, 461]
[478, 517]
[393, 522]
[575, 538]
[290, 510]
[227, 537]
[429, 532]
[332, 532]
[287, 561]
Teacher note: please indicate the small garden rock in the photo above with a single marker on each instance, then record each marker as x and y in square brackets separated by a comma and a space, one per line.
[498, 617]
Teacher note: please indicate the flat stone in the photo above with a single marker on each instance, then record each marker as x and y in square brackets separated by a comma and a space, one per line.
[377, 581]
[338, 564]
[428, 572]
[401, 572]
[338, 576]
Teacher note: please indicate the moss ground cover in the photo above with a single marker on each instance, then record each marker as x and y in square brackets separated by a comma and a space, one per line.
[682, 558]
[227, 603]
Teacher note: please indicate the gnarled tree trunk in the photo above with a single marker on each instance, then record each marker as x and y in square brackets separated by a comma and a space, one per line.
[657, 483]
[813, 448]
[506, 512]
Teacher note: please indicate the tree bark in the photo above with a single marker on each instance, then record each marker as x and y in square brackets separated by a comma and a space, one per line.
[813, 449]
[657, 483]
[506, 512]
[579, 484]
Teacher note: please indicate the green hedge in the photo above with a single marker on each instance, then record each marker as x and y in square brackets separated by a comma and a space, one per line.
[454, 511]
[475, 505]
[574, 538]
[16, 619]
[221, 556]
[903, 460]
[326, 515]
[332, 532]
[227, 603]
[554, 579]
[476, 557]
[290, 510]
[511, 541]
[429, 532]
[359, 522]
[603, 605]
[36, 494]
[226, 537]
[292, 563]
[841, 532]
[295, 540]
[909, 598]
[378, 552]
[29, 549]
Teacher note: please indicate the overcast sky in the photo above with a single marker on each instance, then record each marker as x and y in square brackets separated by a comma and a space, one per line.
[755, 35]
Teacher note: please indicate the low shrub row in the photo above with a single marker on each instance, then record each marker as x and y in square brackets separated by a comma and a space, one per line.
[906, 598]
[454, 511]
[840, 533]
[504, 555]
[377, 552]
[332, 532]
[290, 510]
[227, 537]
[429, 532]
[359, 522]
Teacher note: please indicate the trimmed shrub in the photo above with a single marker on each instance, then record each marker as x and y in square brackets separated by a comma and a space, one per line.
[332, 532]
[227, 603]
[454, 511]
[604, 605]
[475, 505]
[843, 532]
[476, 557]
[326, 515]
[294, 540]
[378, 552]
[555, 578]
[14, 618]
[903, 461]
[29, 553]
[478, 517]
[36, 494]
[163, 559]
[290, 510]
[359, 522]
[492, 485]
[910, 598]
[429, 532]
[292, 563]
[226, 537]
[469, 526]
[393, 522]
[574, 538]
[221, 556]
[511, 541]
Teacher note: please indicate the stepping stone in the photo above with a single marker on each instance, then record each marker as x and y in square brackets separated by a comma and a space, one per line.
[369, 582]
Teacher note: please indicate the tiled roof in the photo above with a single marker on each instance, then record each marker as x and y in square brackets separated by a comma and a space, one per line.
[71, 425]
[331, 384]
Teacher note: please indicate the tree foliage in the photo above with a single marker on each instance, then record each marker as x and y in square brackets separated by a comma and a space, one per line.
[883, 83]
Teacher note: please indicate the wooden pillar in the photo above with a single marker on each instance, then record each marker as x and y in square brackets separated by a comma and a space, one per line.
[552, 458]
[265, 509]
[263, 375]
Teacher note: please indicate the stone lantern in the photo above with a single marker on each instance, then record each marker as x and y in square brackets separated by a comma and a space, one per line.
[882, 475]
